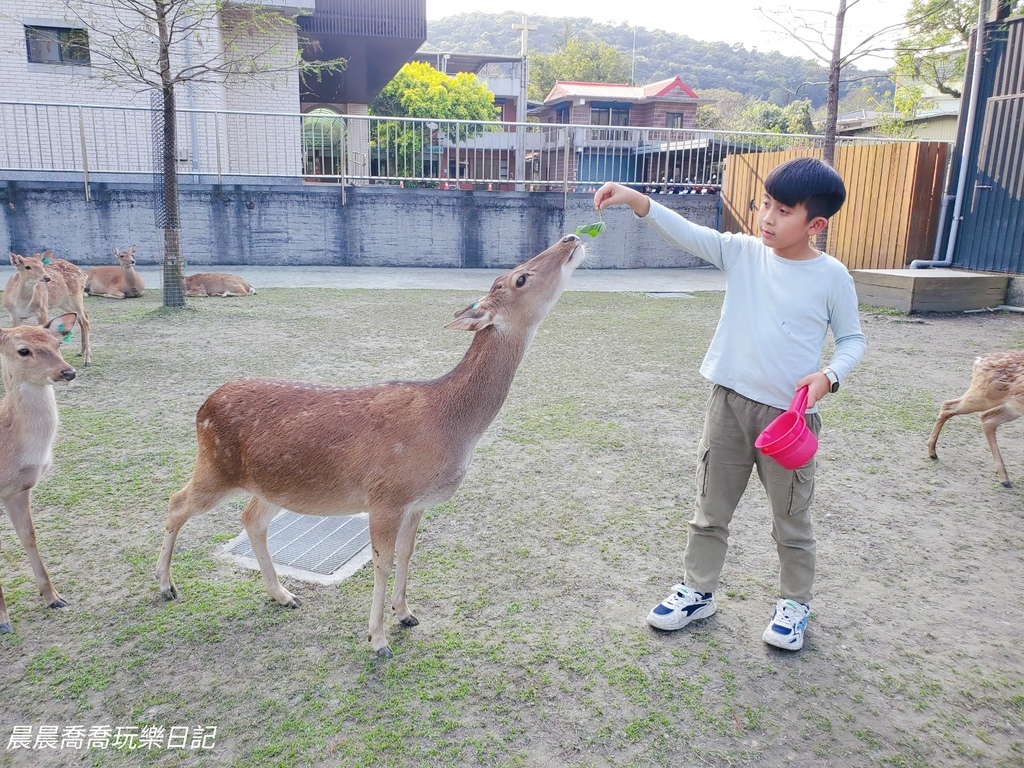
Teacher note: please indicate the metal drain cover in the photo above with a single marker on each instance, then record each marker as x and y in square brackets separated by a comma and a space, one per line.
[320, 549]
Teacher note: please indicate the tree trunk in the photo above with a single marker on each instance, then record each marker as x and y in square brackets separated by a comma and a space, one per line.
[173, 275]
[832, 113]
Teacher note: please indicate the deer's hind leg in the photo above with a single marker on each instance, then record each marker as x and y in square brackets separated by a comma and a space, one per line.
[200, 494]
[256, 517]
[972, 401]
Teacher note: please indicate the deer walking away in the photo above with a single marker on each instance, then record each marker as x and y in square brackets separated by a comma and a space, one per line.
[120, 282]
[392, 449]
[41, 284]
[997, 390]
[31, 363]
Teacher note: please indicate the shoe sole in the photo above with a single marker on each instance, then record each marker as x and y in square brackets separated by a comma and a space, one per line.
[670, 624]
[779, 642]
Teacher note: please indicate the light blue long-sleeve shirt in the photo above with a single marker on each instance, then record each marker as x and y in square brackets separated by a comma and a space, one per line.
[776, 311]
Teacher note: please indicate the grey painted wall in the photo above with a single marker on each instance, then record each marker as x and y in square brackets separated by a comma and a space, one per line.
[309, 225]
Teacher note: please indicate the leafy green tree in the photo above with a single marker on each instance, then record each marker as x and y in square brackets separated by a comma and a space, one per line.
[588, 61]
[419, 90]
[935, 51]
[723, 111]
[796, 117]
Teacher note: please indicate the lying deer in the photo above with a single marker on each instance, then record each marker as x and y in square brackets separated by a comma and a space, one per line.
[120, 282]
[42, 283]
[392, 449]
[997, 389]
[217, 284]
[31, 364]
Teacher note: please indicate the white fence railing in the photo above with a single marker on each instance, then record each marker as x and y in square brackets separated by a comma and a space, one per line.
[212, 146]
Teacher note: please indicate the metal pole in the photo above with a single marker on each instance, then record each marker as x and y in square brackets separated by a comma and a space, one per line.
[85, 155]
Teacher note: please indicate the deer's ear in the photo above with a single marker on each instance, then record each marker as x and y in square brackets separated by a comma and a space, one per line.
[132, 250]
[15, 259]
[471, 318]
[63, 325]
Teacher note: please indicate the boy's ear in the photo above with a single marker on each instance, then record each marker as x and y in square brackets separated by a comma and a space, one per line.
[817, 224]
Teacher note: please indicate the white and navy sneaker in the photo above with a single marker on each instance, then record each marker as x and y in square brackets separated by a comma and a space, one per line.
[680, 608]
[787, 626]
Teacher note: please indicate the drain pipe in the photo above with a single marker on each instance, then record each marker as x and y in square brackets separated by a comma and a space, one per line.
[965, 155]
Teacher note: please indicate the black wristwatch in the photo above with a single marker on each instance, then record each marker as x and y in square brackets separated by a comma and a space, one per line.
[833, 380]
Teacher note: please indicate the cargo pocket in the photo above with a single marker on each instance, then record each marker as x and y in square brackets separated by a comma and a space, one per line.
[702, 468]
[802, 492]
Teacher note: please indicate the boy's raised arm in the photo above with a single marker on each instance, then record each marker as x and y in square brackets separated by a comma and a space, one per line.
[612, 193]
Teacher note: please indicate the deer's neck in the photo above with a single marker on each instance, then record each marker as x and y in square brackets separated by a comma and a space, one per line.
[28, 420]
[26, 291]
[474, 391]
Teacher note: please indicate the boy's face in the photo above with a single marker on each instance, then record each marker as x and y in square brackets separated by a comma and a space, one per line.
[786, 228]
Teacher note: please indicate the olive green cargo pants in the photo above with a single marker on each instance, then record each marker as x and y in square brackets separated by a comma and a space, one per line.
[726, 456]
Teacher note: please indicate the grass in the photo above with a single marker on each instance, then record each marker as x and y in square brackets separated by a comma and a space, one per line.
[532, 582]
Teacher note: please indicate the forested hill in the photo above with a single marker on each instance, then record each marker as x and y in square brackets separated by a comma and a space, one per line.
[768, 76]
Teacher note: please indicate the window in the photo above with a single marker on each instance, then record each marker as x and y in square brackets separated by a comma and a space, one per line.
[606, 116]
[57, 45]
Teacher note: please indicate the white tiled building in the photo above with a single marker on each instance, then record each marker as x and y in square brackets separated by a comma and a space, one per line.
[49, 55]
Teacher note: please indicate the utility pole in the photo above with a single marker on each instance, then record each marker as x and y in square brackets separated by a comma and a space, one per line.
[521, 103]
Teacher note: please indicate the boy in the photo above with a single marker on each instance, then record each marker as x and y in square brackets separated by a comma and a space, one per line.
[781, 297]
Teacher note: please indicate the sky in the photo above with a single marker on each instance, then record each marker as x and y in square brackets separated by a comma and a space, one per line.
[731, 21]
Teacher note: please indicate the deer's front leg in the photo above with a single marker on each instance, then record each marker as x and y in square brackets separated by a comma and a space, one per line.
[19, 510]
[403, 554]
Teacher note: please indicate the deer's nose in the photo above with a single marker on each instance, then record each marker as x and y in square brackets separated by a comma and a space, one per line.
[68, 374]
[46, 279]
[571, 238]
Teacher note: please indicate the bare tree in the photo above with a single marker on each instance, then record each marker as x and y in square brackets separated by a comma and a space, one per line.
[821, 33]
[162, 45]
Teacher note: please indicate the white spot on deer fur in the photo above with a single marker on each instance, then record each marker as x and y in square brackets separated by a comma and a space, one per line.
[398, 448]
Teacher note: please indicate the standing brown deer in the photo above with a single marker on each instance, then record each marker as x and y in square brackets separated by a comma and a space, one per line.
[41, 284]
[217, 284]
[997, 389]
[392, 449]
[120, 282]
[31, 363]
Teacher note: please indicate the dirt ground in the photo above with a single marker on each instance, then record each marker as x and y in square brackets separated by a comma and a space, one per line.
[532, 583]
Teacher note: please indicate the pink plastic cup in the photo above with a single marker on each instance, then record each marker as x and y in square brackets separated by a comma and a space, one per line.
[787, 439]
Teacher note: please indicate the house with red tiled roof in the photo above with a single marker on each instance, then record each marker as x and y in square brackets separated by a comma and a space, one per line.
[666, 104]
[615, 143]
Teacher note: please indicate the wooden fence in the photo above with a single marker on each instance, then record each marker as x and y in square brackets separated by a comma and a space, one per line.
[893, 201]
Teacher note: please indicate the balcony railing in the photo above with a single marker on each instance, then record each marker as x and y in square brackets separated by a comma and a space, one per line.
[60, 140]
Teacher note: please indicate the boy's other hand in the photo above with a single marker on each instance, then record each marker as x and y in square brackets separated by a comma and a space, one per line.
[612, 193]
[817, 385]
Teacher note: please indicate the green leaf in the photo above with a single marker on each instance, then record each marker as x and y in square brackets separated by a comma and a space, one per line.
[591, 229]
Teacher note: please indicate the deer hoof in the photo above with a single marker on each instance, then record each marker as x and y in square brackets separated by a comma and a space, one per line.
[60, 602]
[385, 653]
[410, 621]
[171, 593]
[1007, 484]
[933, 456]
[6, 629]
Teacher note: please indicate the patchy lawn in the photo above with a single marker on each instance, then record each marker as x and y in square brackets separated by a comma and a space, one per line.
[533, 582]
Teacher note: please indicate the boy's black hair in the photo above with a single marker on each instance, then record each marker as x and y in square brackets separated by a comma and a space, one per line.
[809, 181]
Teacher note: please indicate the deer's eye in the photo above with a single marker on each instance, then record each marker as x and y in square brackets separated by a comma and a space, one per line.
[24, 352]
[521, 281]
